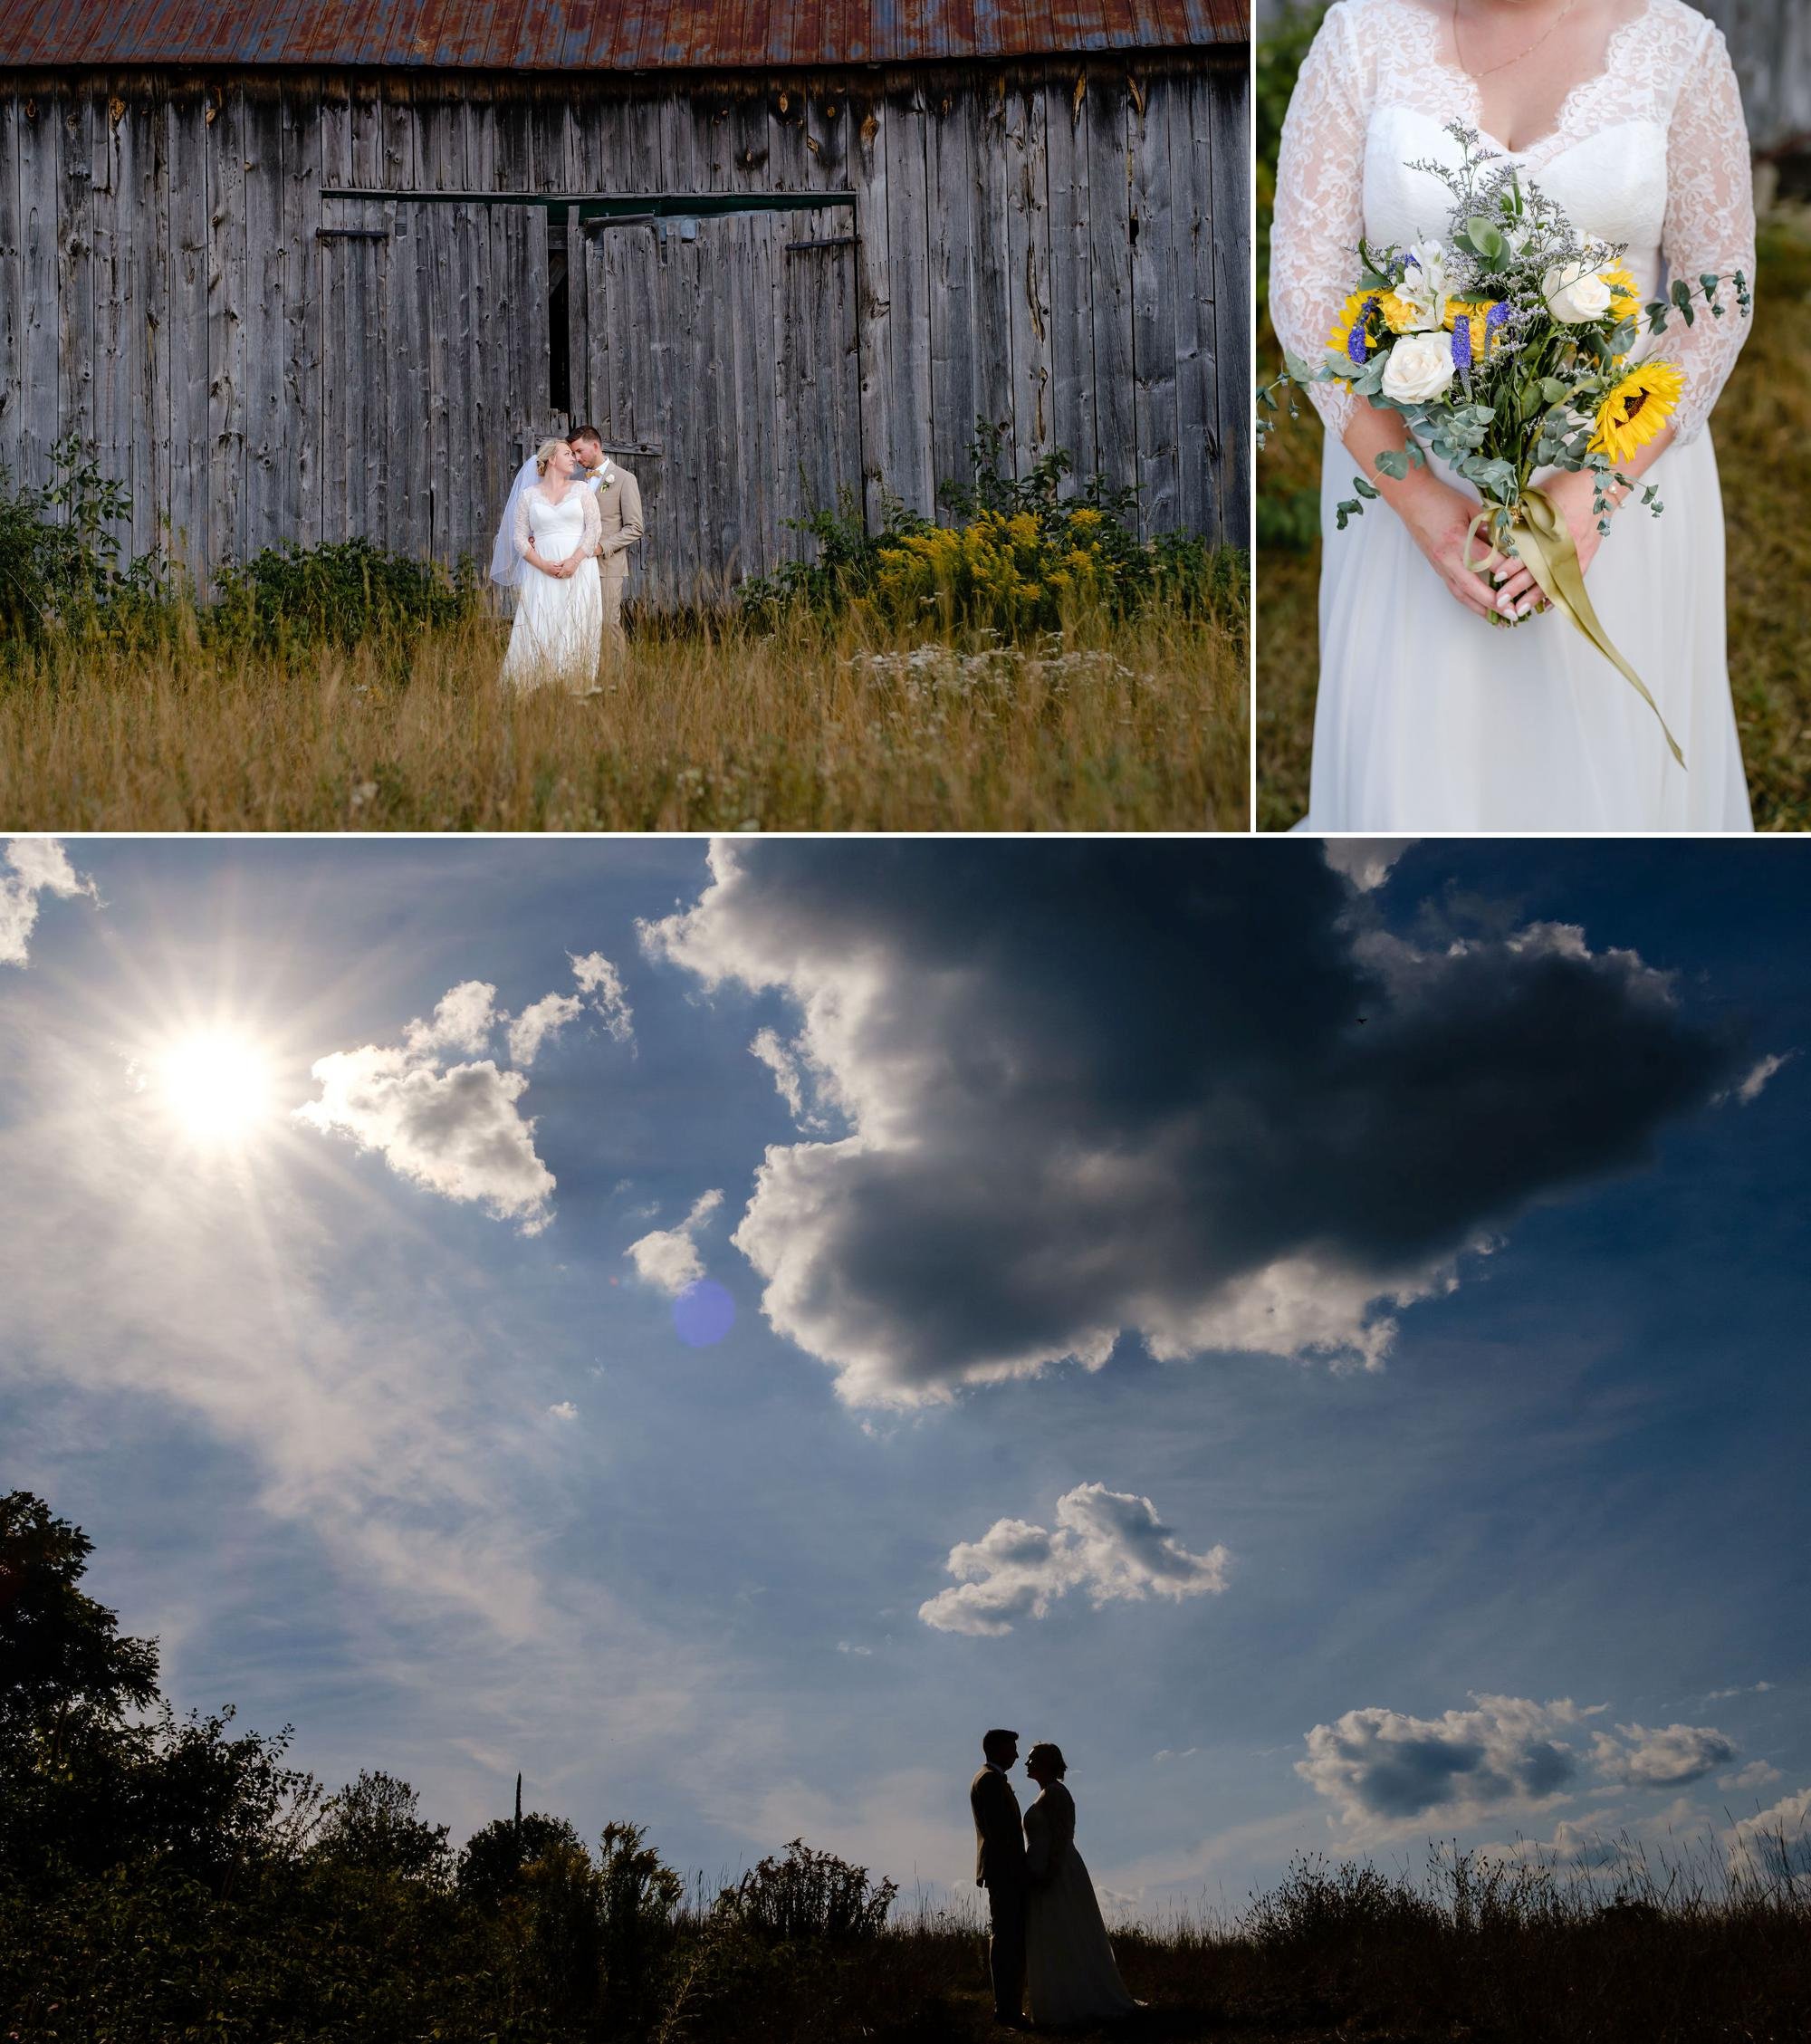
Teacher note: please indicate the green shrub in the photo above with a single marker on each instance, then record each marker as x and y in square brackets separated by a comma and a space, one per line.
[1021, 559]
[807, 1895]
[293, 598]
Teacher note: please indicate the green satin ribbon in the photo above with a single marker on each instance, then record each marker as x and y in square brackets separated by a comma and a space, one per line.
[1543, 540]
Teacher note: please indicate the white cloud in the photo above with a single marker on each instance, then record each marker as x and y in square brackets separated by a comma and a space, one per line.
[1661, 1759]
[600, 979]
[1756, 1774]
[37, 865]
[540, 1020]
[565, 1409]
[1038, 1161]
[1364, 861]
[1384, 1770]
[845, 1646]
[455, 1129]
[668, 1259]
[463, 1020]
[600, 984]
[1754, 1080]
[1775, 1846]
[783, 1062]
[1108, 1544]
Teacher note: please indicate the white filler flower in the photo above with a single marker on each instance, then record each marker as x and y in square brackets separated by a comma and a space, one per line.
[1419, 367]
[1575, 292]
[1423, 285]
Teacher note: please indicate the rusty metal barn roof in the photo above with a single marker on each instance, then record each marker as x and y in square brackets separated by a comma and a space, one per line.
[614, 35]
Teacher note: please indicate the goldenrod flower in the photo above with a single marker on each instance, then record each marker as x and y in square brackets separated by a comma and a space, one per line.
[1635, 410]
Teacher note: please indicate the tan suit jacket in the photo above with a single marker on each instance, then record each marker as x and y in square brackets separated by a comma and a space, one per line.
[619, 514]
[998, 1835]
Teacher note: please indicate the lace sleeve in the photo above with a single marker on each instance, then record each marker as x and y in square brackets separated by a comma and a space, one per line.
[592, 539]
[1709, 225]
[524, 538]
[1320, 214]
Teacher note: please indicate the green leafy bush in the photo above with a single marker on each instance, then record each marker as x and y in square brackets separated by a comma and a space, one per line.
[1022, 557]
[294, 598]
[807, 1895]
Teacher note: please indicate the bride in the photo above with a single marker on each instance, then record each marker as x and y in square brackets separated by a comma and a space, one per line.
[1626, 112]
[1069, 1973]
[559, 610]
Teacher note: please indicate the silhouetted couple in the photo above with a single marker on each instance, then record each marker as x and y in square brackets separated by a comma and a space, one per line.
[1049, 1952]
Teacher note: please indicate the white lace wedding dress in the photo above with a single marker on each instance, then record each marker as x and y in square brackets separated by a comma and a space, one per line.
[559, 620]
[1069, 1974]
[1429, 718]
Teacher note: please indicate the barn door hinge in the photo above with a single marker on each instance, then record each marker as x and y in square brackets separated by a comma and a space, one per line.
[834, 241]
[351, 233]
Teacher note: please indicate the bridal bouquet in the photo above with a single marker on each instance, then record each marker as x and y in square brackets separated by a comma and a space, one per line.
[1508, 347]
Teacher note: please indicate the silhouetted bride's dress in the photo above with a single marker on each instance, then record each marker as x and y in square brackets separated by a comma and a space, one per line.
[1428, 718]
[559, 620]
[1069, 1973]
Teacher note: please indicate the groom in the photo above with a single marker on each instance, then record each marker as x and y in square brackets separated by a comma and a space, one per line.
[619, 513]
[1000, 1868]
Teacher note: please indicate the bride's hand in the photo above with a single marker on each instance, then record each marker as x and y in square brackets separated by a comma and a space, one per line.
[1571, 493]
[1439, 518]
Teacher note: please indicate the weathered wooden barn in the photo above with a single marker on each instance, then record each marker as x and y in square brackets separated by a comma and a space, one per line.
[305, 269]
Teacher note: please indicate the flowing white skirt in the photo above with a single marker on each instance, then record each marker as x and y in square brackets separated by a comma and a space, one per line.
[557, 629]
[1070, 1976]
[1430, 719]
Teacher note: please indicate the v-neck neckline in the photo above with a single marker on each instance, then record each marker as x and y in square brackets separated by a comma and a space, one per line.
[1475, 89]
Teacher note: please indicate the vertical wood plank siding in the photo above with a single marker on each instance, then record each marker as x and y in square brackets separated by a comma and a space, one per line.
[1060, 246]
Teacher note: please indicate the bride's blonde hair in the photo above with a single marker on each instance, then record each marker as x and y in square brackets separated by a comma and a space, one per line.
[545, 452]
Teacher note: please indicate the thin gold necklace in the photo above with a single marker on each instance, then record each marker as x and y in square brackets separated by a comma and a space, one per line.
[1506, 62]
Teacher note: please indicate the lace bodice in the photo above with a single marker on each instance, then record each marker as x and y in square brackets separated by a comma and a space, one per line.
[1648, 148]
[555, 528]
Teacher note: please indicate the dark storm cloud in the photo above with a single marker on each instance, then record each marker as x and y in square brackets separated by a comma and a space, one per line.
[1194, 1091]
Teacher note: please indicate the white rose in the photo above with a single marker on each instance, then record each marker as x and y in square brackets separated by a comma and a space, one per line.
[1419, 367]
[1574, 293]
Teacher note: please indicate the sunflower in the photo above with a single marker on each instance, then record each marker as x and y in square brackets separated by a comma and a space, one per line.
[1359, 311]
[1636, 409]
[1624, 299]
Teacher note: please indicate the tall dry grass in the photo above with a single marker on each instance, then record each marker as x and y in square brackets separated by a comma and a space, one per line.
[1676, 1949]
[712, 725]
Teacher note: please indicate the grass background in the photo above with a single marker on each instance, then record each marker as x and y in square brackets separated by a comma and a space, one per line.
[1762, 428]
[1140, 725]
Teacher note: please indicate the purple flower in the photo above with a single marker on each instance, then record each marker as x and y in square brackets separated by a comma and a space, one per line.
[1461, 342]
[1355, 341]
[1495, 317]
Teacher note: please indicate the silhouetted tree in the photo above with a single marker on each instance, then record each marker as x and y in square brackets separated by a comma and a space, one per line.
[64, 1667]
[374, 1823]
[491, 1863]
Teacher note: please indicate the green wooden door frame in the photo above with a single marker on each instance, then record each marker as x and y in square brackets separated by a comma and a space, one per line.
[592, 205]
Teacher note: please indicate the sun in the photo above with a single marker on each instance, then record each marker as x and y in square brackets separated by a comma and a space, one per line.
[216, 1084]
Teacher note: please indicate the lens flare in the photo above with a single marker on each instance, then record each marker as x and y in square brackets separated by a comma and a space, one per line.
[703, 1314]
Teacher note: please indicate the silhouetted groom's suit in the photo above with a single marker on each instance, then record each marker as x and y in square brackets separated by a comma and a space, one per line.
[1000, 1868]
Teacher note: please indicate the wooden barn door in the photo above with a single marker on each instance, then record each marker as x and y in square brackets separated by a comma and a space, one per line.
[723, 350]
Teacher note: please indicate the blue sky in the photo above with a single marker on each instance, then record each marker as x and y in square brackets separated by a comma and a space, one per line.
[1345, 1326]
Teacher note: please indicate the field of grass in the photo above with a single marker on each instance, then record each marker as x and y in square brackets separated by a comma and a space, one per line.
[1761, 426]
[1138, 726]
